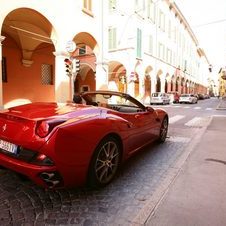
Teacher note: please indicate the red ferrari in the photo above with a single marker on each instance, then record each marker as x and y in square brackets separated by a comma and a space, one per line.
[77, 144]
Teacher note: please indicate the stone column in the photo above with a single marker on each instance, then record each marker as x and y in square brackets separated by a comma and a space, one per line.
[141, 88]
[163, 83]
[101, 76]
[153, 84]
[63, 87]
[1, 90]
[169, 86]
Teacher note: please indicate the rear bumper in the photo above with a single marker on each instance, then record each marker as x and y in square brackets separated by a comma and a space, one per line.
[156, 101]
[33, 172]
[185, 101]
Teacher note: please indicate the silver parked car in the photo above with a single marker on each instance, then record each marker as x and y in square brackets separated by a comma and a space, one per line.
[188, 98]
[159, 98]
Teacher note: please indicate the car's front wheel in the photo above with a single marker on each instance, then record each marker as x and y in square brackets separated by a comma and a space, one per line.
[105, 162]
[163, 130]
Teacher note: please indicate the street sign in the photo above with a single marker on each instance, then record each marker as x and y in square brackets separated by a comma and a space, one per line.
[70, 46]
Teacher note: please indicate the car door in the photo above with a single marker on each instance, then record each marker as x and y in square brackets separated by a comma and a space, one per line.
[144, 128]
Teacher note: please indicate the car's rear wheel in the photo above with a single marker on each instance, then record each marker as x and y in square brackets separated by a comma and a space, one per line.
[163, 130]
[105, 162]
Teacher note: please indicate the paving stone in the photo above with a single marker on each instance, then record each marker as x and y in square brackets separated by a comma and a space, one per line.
[117, 204]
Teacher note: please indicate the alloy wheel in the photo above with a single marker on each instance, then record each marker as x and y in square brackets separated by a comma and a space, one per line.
[163, 130]
[105, 162]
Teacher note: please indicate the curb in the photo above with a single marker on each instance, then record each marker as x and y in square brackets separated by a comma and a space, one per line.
[145, 214]
[221, 105]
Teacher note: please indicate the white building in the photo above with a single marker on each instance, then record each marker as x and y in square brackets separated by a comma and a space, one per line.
[137, 47]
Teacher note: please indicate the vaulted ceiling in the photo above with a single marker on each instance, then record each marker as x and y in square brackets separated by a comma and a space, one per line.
[29, 29]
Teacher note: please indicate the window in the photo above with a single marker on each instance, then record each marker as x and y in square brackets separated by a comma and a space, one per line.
[169, 56]
[46, 74]
[150, 44]
[82, 50]
[174, 31]
[112, 38]
[4, 71]
[161, 51]
[85, 88]
[185, 65]
[161, 20]
[169, 29]
[112, 5]
[87, 4]
[151, 10]
[139, 43]
[139, 5]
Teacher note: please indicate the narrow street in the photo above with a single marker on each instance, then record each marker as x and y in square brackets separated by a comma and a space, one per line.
[196, 195]
[129, 199]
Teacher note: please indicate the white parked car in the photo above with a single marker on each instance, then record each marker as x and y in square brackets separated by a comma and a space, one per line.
[188, 98]
[159, 98]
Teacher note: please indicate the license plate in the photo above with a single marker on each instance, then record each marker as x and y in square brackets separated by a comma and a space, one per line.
[7, 146]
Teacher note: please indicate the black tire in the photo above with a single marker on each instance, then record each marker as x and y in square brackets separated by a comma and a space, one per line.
[163, 130]
[105, 163]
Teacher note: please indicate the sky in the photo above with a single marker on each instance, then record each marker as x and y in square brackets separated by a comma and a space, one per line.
[207, 19]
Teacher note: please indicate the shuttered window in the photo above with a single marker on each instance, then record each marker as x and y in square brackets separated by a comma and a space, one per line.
[139, 43]
[46, 74]
[112, 38]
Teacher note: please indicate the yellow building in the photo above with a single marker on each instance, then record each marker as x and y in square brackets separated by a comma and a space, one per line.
[222, 82]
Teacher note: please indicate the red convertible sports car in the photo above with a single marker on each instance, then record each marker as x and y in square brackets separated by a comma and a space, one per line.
[66, 145]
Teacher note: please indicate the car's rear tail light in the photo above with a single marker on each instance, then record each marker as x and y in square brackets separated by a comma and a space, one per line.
[44, 127]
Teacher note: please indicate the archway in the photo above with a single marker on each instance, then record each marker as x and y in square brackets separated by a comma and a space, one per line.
[85, 52]
[147, 82]
[158, 81]
[182, 85]
[178, 86]
[117, 76]
[28, 52]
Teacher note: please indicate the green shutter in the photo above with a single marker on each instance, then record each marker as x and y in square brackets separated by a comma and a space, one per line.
[139, 43]
[111, 38]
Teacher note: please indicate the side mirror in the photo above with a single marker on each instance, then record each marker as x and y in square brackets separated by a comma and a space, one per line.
[150, 109]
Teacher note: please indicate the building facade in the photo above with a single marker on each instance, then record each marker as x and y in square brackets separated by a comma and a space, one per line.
[222, 82]
[138, 48]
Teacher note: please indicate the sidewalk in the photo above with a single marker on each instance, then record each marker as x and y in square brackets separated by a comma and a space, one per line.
[198, 195]
[222, 104]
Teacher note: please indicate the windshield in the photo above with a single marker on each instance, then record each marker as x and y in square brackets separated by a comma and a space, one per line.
[156, 94]
[99, 99]
[118, 101]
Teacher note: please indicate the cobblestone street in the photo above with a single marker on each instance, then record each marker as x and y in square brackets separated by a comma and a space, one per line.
[23, 203]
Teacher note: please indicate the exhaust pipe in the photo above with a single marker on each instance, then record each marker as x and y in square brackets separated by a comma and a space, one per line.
[52, 184]
[47, 176]
[51, 179]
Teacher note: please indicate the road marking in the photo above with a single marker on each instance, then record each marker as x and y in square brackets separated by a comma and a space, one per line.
[209, 109]
[179, 139]
[197, 108]
[219, 115]
[175, 118]
[194, 122]
[187, 107]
